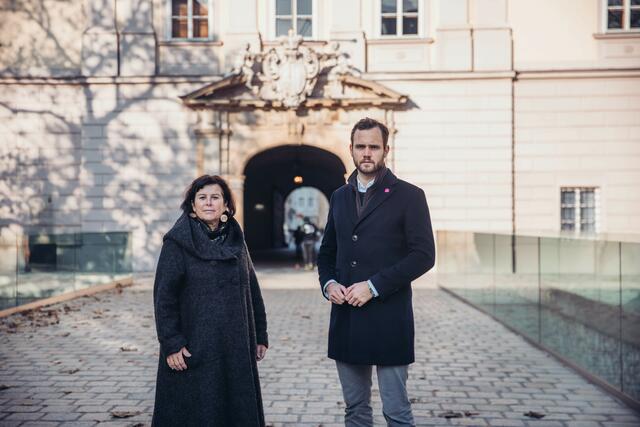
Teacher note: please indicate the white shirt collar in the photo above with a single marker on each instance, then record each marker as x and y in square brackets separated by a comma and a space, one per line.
[362, 188]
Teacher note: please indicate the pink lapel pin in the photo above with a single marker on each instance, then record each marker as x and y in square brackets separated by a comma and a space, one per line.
[386, 190]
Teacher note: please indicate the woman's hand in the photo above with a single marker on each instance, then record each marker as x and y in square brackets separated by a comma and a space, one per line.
[261, 350]
[176, 361]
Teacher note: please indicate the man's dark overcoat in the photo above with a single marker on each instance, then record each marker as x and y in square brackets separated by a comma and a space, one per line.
[391, 244]
[207, 299]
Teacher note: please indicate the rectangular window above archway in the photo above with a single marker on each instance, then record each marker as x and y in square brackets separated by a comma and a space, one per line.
[298, 16]
[295, 15]
[622, 15]
[189, 20]
[399, 18]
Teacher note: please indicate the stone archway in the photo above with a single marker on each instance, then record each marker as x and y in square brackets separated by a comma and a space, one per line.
[285, 95]
[269, 178]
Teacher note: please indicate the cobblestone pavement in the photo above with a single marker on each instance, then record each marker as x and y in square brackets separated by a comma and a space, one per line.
[89, 360]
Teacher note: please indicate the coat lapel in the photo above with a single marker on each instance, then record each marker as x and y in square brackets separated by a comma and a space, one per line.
[351, 207]
[382, 193]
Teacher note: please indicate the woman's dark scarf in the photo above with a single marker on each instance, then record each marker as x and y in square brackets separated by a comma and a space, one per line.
[218, 235]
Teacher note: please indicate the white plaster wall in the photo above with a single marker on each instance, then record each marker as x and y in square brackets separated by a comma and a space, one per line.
[40, 38]
[96, 158]
[551, 34]
[579, 132]
[456, 145]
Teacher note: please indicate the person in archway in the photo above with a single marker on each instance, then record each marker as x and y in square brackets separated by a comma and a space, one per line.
[309, 237]
[210, 317]
[377, 240]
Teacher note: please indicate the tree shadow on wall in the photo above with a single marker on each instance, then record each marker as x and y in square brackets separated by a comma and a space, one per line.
[92, 155]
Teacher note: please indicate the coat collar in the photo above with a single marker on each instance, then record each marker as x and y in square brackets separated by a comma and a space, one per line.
[382, 190]
[189, 235]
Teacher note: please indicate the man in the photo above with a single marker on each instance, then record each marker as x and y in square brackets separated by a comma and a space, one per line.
[309, 237]
[377, 240]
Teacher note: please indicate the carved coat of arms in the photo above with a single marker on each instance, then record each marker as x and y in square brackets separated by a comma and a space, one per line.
[289, 71]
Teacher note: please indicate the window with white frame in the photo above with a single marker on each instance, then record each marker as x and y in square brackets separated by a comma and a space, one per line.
[190, 19]
[296, 15]
[399, 17]
[623, 15]
[579, 209]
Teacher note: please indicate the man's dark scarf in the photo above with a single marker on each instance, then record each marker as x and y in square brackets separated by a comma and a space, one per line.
[362, 200]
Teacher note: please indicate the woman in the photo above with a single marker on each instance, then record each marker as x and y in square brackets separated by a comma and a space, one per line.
[210, 316]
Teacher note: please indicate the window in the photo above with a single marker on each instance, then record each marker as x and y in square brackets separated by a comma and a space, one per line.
[296, 15]
[190, 19]
[398, 17]
[623, 15]
[578, 209]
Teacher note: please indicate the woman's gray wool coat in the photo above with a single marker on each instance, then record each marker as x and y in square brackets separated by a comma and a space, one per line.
[207, 299]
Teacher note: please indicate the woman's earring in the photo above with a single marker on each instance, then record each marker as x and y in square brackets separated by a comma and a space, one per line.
[192, 215]
[224, 217]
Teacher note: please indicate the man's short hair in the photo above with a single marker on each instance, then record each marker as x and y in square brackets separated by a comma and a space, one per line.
[367, 123]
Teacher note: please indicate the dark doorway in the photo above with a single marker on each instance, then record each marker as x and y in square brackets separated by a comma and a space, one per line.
[270, 177]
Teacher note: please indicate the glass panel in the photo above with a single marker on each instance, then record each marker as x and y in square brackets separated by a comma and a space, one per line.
[200, 28]
[12, 255]
[200, 8]
[179, 8]
[480, 271]
[635, 2]
[615, 19]
[283, 7]
[517, 295]
[409, 25]
[587, 215]
[453, 250]
[52, 264]
[283, 26]
[179, 28]
[579, 304]
[568, 197]
[568, 214]
[410, 6]
[587, 197]
[635, 19]
[630, 299]
[304, 27]
[389, 26]
[389, 6]
[304, 7]
[615, 2]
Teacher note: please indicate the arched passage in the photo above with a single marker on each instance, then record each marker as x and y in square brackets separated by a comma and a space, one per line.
[270, 177]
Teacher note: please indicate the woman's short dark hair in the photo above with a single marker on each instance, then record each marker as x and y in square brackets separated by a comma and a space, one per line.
[201, 182]
[367, 123]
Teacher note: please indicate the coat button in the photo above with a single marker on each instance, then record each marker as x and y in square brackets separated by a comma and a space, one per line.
[354, 237]
[353, 263]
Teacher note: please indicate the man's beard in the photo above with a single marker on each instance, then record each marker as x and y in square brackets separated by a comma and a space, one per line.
[372, 170]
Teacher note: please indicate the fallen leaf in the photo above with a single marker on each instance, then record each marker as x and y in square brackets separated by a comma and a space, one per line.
[451, 414]
[69, 371]
[4, 387]
[124, 414]
[533, 414]
[128, 348]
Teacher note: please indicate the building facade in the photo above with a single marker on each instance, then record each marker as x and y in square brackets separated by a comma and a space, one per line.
[512, 115]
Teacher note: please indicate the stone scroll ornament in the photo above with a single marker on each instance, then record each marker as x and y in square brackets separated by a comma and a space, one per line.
[288, 72]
